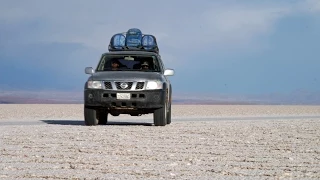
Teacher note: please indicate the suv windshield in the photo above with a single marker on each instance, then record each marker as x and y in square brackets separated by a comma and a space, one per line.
[129, 63]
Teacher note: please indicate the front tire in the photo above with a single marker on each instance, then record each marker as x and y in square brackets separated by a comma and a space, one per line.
[169, 108]
[103, 117]
[169, 115]
[160, 116]
[90, 117]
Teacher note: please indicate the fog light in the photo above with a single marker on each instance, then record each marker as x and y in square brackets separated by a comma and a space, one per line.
[90, 96]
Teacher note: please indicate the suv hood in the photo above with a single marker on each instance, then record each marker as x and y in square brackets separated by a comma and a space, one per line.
[125, 75]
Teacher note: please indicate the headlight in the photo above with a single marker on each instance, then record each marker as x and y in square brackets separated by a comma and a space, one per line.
[94, 85]
[154, 85]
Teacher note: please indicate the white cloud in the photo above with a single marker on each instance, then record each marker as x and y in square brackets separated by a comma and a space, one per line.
[241, 23]
[309, 6]
[204, 24]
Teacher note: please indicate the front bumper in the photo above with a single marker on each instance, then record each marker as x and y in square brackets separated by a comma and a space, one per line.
[147, 99]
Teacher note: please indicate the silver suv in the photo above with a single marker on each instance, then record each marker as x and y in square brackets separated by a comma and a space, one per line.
[128, 80]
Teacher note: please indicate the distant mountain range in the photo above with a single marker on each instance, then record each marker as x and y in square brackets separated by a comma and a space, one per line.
[69, 97]
[40, 97]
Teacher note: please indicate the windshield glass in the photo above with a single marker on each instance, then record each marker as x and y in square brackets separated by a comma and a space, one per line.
[129, 63]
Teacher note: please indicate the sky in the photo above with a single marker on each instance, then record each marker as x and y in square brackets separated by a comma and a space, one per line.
[229, 47]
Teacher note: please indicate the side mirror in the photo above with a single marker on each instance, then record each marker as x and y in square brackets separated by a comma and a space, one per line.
[89, 70]
[169, 72]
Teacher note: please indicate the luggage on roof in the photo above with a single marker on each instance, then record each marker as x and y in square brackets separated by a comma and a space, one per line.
[133, 40]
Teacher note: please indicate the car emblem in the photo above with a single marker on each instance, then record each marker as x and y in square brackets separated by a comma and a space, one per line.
[123, 85]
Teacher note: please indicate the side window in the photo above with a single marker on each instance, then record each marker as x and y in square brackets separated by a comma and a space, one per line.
[101, 63]
[161, 64]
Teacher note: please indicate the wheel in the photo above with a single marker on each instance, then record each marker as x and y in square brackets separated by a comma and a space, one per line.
[169, 115]
[90, 117]
[159, 116]
[169, 107]
[103, 117]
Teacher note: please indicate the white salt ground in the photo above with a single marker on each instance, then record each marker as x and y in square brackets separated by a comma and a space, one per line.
[203, 142]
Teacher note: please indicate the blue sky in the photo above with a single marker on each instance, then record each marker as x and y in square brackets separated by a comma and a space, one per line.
[230, 47]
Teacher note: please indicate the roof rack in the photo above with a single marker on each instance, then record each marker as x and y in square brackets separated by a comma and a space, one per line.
[133, 40]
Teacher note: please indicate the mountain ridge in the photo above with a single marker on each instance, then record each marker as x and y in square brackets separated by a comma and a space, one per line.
[76, 97]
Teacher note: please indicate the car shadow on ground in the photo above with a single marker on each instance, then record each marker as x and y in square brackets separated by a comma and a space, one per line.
[64, 122]
[81, 123]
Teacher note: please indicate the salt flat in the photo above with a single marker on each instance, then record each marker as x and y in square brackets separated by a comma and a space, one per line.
[203, 142]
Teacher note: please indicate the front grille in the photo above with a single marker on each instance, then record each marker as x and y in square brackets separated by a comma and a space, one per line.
[107, 85]
[140, 85]
[124, 85]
